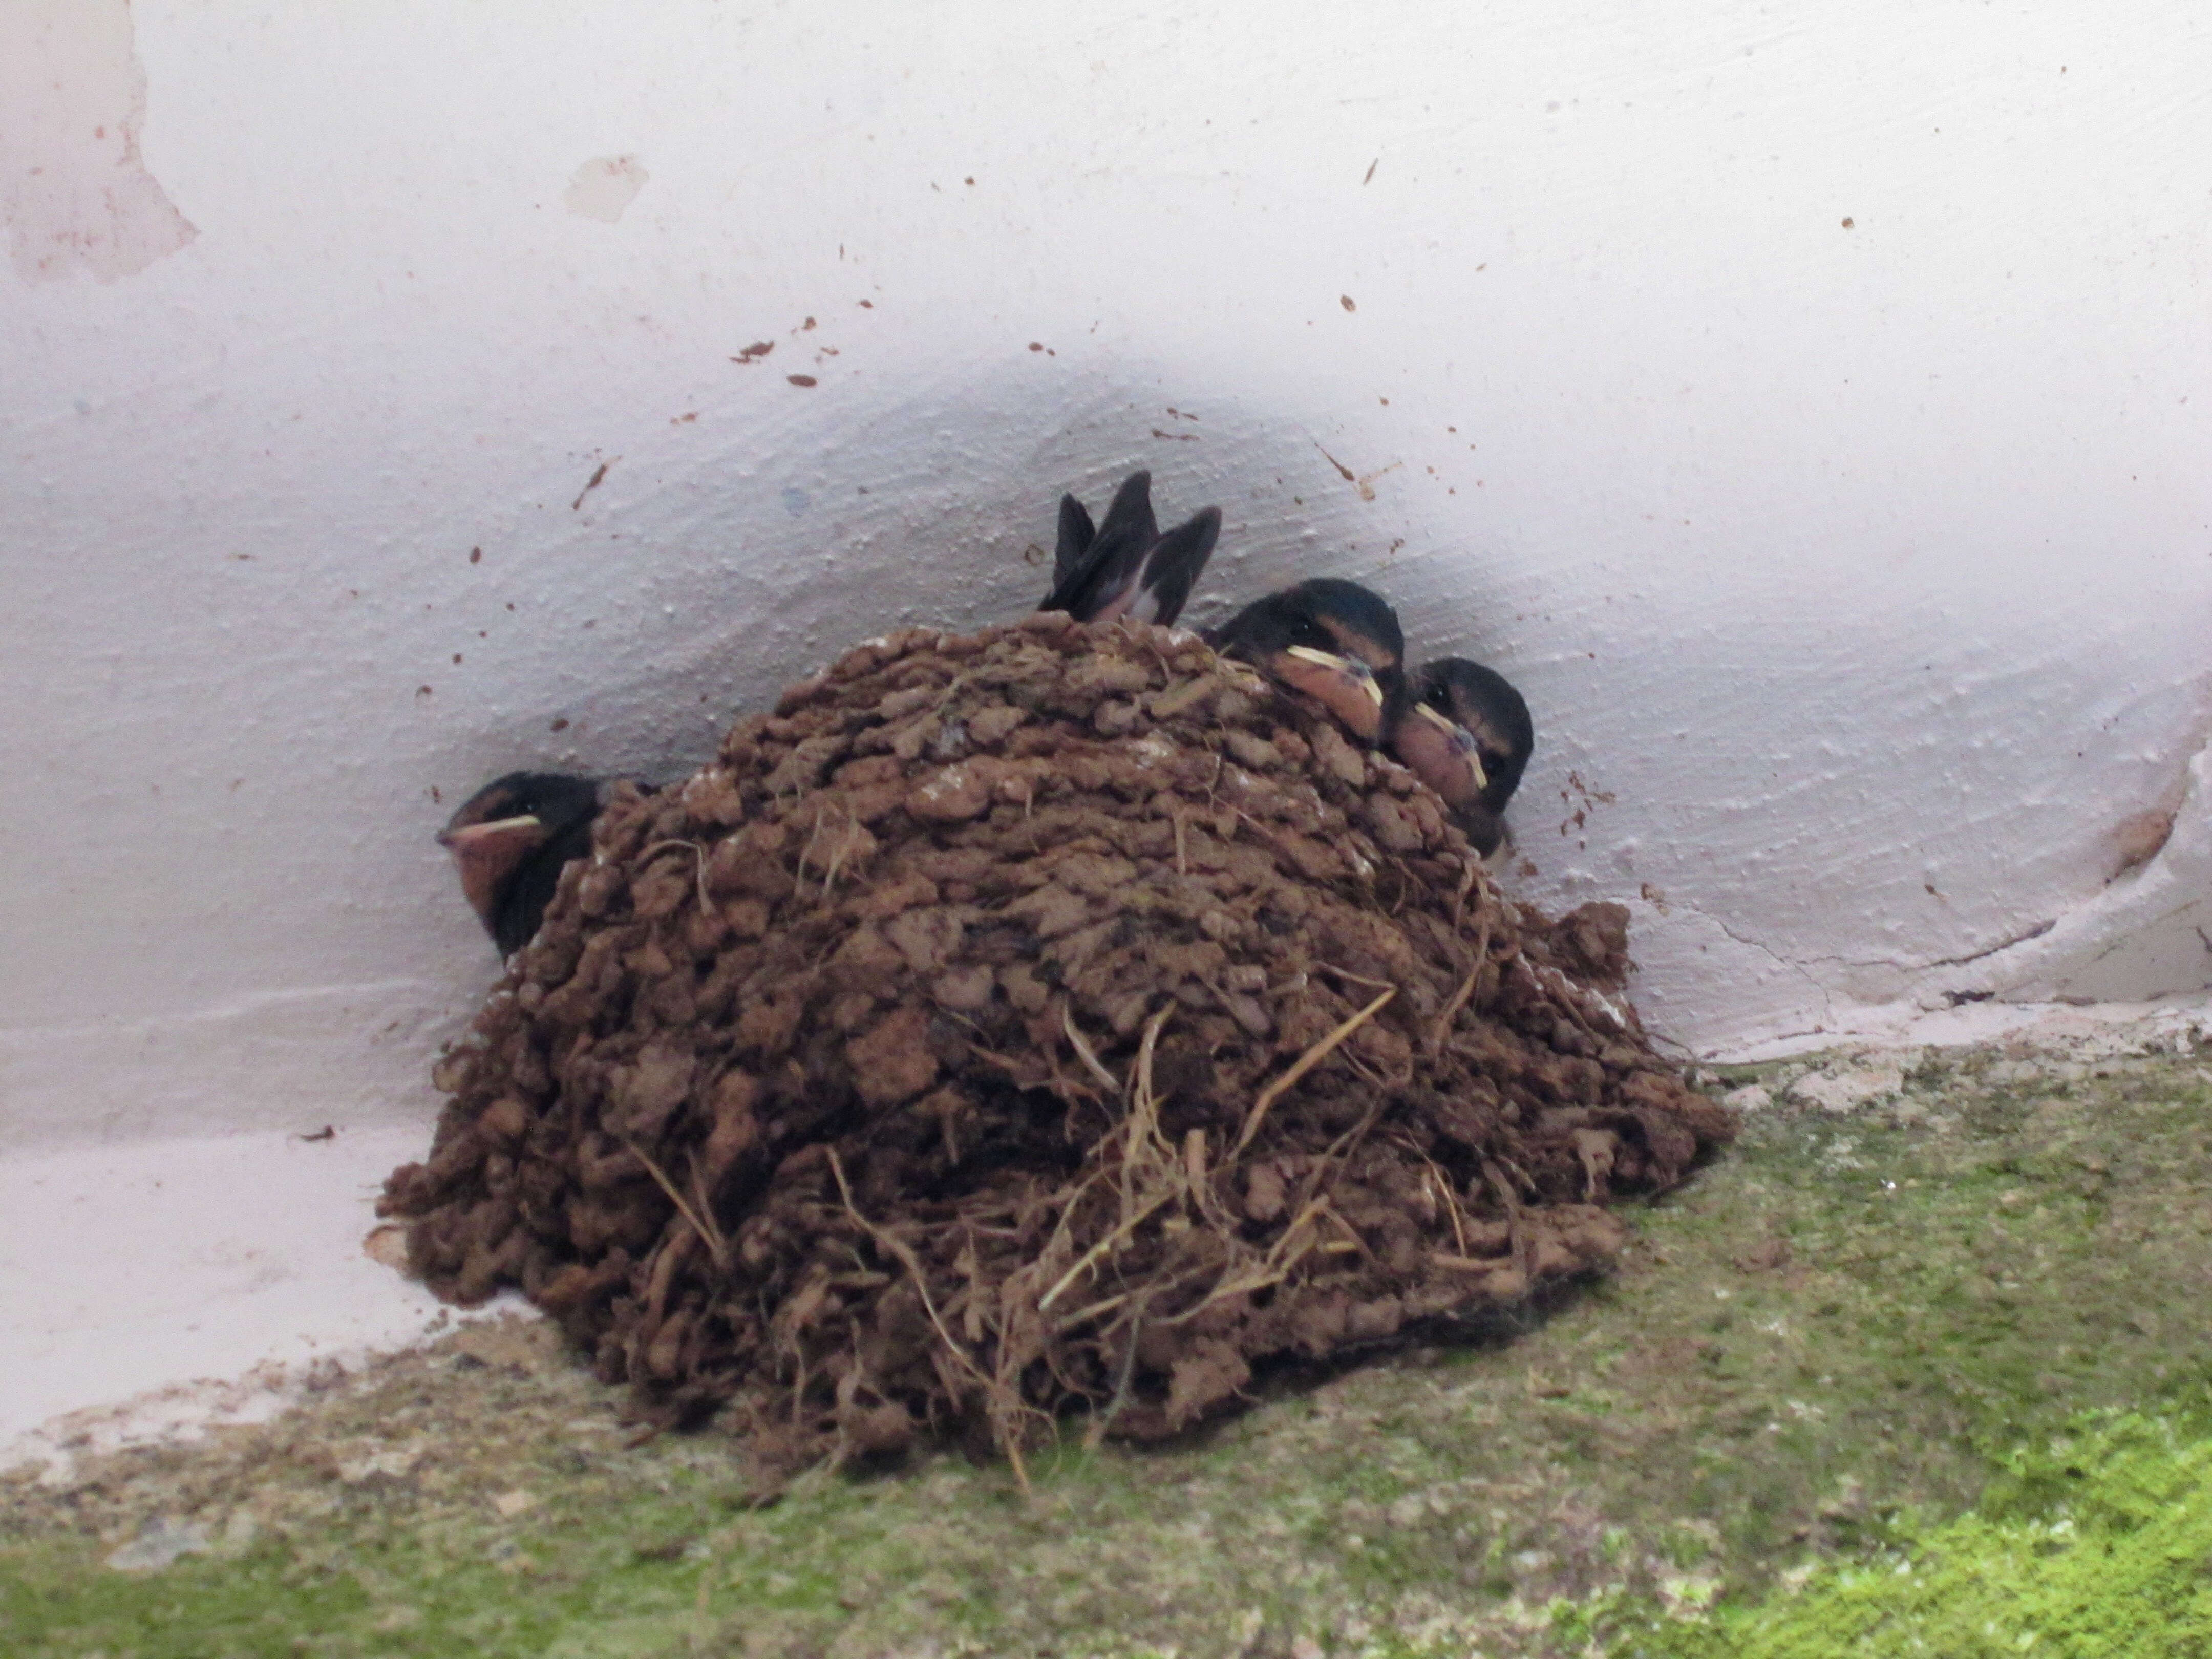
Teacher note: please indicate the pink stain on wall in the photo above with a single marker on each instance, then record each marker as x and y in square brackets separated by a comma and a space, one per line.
[75, 194]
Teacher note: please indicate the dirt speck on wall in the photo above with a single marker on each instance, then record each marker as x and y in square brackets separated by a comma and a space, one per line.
[74, 193]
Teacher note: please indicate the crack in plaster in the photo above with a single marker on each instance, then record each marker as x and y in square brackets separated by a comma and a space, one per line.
[1828, 1009]
[1904, 967]
[2155, 923]
[2104, 923]
[2198, 741]
[1766, 950]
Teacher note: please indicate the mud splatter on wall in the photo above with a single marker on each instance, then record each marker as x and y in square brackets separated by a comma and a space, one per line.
[75, 194]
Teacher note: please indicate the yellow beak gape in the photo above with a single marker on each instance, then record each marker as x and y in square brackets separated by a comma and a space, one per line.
[1462, 740]
[1350, 667]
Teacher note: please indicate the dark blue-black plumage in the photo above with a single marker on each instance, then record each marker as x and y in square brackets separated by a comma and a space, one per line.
[1125, 566]
[509, 841]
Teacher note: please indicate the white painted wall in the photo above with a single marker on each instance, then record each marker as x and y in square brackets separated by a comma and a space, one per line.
[1807, 405]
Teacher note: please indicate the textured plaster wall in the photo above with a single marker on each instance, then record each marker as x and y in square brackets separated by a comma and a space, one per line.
[1806, 405]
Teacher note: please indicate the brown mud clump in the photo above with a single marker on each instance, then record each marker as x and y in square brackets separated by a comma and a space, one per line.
[1047, 1018]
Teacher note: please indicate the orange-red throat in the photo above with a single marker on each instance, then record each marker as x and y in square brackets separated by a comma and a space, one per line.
[1442, 753]
[487, 854]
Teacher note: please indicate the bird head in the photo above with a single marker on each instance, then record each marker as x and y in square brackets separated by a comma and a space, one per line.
[1332, 640]
[1483, 704]
[496, 830]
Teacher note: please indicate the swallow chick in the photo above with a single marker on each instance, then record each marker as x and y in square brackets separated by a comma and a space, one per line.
[1333, 641]
[1126, 567]
[1465, 732]
[509, 841]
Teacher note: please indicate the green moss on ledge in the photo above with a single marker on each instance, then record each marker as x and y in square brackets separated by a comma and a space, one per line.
[2096, 1544]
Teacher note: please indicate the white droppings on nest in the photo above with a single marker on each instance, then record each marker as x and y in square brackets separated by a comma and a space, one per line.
[1584, 995]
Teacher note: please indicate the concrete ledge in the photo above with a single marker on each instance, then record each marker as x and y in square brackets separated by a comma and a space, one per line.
[165, 1284]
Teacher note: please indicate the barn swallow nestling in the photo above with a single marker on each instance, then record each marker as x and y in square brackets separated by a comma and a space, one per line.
[509, 840]
[1126, 567]
[1335, 642]
[1466, 733]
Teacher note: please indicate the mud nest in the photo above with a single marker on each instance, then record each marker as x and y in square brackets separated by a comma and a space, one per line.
[1051, 1019]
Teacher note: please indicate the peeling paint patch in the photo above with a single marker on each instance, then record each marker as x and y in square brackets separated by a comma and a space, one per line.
[605, 186]
[75, 194]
